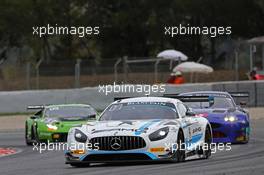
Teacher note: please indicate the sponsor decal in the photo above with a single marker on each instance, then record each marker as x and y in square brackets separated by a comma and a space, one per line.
[116, 129]
[144, 127]
[199, 129]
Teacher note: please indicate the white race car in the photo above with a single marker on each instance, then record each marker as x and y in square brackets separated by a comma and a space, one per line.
[140, 129]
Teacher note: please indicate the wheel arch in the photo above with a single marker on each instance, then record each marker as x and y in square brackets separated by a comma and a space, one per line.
[181, 130]
[210, 129]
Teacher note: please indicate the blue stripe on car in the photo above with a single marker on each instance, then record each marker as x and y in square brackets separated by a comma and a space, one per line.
[146, 125]
[91, 152]
[194, 139]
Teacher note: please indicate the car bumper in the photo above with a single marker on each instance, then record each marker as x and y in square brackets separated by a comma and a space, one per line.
[112, 156]
[54, 136]
[230, 132]
[152, 151]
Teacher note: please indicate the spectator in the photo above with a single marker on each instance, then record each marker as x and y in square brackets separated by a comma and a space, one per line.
[252, 74]
[176, 78]
[256, 74]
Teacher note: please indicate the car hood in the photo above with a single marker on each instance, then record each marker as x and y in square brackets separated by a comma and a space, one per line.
[66, 119]
[75, 118]
[216, 112]
[134, 127]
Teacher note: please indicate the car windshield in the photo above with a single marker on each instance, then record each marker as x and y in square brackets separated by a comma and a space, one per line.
[69, 111]
[218, 102]
[140, 111]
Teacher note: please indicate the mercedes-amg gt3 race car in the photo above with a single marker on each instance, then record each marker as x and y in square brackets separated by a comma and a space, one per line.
[229, 121]
[52, 122]
[140, 129]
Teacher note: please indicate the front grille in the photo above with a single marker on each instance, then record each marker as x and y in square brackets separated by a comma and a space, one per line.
[116, 157]
[215, 125]
[117, 143]
[218, 134]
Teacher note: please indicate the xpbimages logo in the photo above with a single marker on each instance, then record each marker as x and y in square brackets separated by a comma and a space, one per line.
[211, 31]
[213, 147]
[80, 31]
[131, 88]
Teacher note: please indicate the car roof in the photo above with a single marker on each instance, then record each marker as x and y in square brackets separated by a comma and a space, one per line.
[148, 99]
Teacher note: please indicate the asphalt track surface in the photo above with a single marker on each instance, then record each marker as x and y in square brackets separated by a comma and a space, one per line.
[242, 159]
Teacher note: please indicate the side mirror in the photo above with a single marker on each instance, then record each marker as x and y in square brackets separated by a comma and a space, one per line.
[190, 114]
[93, 116]
[33, 117]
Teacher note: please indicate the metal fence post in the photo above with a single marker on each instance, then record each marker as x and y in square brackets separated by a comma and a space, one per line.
[251, 57]
[156, 70]
[125, 69]
[262, 56]
[28, 73]
[77, 73]
[115, 68]
[236, 65]
[37, 72]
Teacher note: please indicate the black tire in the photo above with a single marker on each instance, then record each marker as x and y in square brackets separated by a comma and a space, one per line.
[179, 155]
[245, 141]
[28, 142]
[80, 165]
[36, 136]
[207, 140]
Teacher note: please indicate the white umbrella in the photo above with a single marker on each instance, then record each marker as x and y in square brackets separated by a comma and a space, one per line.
[172, 54]
[193, 67]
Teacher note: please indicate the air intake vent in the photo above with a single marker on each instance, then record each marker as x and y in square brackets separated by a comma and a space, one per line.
[219, 111]
[117, 143]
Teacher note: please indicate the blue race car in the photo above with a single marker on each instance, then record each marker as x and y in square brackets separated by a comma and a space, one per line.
[229, 121]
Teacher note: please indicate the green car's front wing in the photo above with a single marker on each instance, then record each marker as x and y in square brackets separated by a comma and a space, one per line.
[38, 131]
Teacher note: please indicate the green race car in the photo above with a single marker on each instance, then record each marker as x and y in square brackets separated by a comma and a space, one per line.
[52, 122]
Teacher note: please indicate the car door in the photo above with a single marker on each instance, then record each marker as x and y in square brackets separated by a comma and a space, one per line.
[191, 126]
[185, 122]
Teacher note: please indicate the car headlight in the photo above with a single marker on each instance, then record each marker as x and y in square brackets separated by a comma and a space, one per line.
[159, 134]
[52, 127]
[51, 123]
[230, 118]
[80, 136]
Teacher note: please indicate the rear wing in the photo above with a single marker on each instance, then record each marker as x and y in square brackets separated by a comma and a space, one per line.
[37, 107]
[203, 98]
[239, 94]
[182, 98]
[120, 98]
[241, 98]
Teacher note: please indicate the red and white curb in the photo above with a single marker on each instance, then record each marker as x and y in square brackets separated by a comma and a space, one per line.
[8, 151]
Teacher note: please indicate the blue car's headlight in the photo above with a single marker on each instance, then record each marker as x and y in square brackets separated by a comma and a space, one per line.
[159, 134]
[230, 118]
[80, 136]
